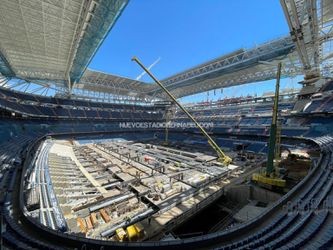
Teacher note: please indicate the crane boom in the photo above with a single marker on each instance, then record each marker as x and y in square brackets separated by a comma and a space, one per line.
[152, 65]
[222, 157]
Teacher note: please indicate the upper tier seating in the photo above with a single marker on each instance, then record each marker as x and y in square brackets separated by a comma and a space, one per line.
[38, 106]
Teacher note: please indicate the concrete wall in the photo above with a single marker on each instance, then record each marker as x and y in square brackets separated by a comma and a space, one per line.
[243, 193]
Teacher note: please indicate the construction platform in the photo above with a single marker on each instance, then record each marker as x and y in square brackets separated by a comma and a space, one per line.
[105, 187]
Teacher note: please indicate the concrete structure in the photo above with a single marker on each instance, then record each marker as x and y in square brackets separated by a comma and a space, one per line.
[110, 185]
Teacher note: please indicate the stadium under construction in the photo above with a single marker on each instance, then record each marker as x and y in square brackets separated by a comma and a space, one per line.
[111, 162]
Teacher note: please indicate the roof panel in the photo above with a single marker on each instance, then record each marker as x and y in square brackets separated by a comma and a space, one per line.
[45, 38]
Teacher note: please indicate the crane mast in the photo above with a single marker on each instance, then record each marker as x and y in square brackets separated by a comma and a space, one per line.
[269, 176]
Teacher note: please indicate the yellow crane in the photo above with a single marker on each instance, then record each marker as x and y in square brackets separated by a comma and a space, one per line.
[222, 157]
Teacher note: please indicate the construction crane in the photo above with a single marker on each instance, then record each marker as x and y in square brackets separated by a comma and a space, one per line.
[269, 177]
[222, 157]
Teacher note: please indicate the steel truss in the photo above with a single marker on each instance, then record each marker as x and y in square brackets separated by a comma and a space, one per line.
[310, 23]
[117, 85]
[50, 43]
[243, 66]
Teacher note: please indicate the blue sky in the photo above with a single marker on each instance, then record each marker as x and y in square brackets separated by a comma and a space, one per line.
[185, 33]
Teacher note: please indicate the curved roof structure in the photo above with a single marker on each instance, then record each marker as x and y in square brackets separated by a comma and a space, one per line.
[242, 66]
[239, 67]
[53, 40]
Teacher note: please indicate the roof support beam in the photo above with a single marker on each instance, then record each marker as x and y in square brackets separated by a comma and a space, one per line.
[99, 19]
[82, 21]
[296, 32]
[5, 67]
[302, 20]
